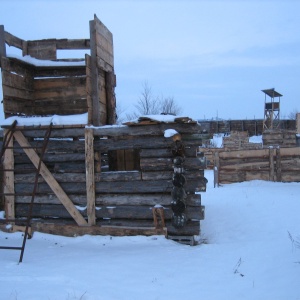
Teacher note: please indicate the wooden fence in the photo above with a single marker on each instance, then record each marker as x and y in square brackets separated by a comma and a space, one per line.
[271, 164]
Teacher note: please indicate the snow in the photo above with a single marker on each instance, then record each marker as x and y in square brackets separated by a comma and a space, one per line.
[46, 63]
[159, 118]
[249, 249]
[170, 132]
[80, 119]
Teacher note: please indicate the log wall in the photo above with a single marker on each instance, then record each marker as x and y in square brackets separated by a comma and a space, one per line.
[77, 159]
[253, 127]
[271, 164]
[61, 86]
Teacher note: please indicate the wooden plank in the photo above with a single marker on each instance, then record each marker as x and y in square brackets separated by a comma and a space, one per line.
[244, 154]
[127, 187]
[94, 77]
[121, 132]
[2, 43]
[63, 92]
[271, 166]
[8, 180]
[110, 80]
[12, 40]
[90, 178]
[286, 152]
[71, 230]
[106, 212]
[55, 71]
[278, 165]
[89, 89]
[15, 93]
[55, 187]
[45, 49]
[114, 199]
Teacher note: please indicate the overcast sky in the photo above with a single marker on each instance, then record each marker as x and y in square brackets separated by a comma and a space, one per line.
[212, 57]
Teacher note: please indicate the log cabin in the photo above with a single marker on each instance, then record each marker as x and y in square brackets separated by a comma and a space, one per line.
[70, 170]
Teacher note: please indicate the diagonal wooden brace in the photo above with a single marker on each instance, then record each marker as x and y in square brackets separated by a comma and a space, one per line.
[48, 177]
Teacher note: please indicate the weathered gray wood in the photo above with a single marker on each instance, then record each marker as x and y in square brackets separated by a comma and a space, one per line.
[127, 187]
[110, 83]
[94, 75]
[166, 164]
[81, 177]
[89, 89]
[105, 212]
[12, 40]
[115, 228]
[114, 199]
[8, 181]
[2, 43]
[55, 187]
[121, 132]
[90, 178]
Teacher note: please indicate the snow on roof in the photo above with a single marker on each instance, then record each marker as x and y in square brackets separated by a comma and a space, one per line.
[80, 119]
[161, 119]
[46, 63]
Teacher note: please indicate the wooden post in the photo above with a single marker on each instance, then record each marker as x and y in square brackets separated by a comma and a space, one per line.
[2, 43]
[90, 177]
[278, 165]
[298, 123]
[94, 76]
[89, 89]
[8, 180]
[48, 177]
[110, 83]
[216, 168]
[271, 164]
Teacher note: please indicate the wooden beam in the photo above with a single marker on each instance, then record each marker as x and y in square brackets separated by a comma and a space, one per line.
[2, 43]
[8, 177]
[94, 76]
[90, 178]
[71, 230]
[271, 162]
[53, 184]
[110, 83]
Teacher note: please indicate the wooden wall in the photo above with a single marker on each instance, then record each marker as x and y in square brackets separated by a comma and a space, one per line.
[271, 164]
[77, 158]
[253, 127]
[77, 86]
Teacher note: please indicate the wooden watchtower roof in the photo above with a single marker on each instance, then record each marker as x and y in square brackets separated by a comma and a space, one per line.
[39, 84]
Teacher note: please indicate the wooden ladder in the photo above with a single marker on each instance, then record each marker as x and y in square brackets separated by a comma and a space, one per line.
[6, 140]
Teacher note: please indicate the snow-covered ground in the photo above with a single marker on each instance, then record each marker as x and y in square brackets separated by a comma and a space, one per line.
[250, 250]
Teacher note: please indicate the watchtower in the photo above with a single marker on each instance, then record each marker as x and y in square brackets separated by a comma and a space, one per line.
[271, 109]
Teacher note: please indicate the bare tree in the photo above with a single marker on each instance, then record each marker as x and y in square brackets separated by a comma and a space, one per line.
[150, 105]
[147, 104]
[169, 106]
[292, 115]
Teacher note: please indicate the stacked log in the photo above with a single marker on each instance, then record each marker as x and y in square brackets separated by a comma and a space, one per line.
[123, 198]
[272, 164]
[282, 138]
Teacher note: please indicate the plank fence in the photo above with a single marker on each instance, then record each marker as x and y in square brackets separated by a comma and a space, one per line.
[270, 164]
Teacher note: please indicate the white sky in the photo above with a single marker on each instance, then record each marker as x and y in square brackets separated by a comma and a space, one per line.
[213, 57]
